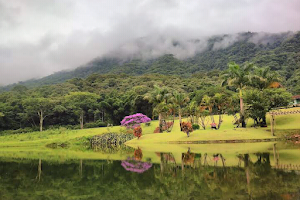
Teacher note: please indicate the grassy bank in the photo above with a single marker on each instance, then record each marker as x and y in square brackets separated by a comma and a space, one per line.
[227, 132]
[285, 125]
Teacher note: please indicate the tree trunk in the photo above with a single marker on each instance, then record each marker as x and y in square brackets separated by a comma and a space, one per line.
[212, 118]
[203, 122]
[39, 170]
[81, 119]
[41, 120]
[264, 122]
[160, 122]
[242, 110]
[179, 115]
[220, 121]
[174, 116]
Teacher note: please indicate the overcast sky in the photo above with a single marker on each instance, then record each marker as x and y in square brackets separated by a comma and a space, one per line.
[39, 37]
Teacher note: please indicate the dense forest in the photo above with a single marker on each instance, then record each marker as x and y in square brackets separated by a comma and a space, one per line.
[107, 90]
[102, 99]
[280, 52]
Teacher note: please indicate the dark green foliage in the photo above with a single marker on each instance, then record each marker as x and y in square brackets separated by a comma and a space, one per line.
[95, 124]
[113, 88]
[196, 126]
[111, 138]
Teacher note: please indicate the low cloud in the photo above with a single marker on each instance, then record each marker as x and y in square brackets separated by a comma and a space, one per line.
[38, 38]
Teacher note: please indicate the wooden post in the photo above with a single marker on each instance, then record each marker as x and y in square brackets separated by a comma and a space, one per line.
[276, 159]
[272, 124]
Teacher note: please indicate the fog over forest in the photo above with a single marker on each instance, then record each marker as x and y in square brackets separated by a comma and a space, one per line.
[38, 38]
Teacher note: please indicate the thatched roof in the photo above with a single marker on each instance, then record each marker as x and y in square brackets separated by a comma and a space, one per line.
[296, 97]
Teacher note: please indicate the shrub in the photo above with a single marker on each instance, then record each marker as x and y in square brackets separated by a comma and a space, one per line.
[148, 124]
[196, 126]
[166, 127]
[137, 132]
[19, 131]
[156, 130]
[95, 124]
[187, 128]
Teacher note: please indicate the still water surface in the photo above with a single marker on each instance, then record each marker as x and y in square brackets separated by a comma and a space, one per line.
[142, 173]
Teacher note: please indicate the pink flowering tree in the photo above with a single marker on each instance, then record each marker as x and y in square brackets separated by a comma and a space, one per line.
[135, 120]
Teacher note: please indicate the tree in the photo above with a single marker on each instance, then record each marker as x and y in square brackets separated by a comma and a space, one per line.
[191, 110]
[80, 103]
[180, 99]
[41, 106]
[239, 77]
[257, 106]
[133, 121]
[208, 103]
[260, 102]
[137, 132]
[203, 118]
[159, 98]
[221, 101]
[187, 128]
[263, 78]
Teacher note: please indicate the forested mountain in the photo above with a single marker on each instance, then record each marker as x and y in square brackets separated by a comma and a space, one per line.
[278, 51]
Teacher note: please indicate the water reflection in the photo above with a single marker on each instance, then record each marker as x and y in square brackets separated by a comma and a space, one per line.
[154, 175]
[134, 164]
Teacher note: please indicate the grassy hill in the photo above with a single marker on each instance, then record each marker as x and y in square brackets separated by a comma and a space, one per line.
[33, 145]
[226, 132]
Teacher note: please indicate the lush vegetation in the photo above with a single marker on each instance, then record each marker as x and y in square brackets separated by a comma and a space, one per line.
[107, 99]
[278, 51]
[243, 90]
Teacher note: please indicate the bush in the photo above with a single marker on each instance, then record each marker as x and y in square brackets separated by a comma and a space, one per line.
[166, 127]
[148, 124]
[196, 126]
[137, 132]
[187, 128]
[95, 124]
[156, 130]
[18, 131]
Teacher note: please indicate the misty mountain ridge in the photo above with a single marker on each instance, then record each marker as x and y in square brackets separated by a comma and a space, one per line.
[185, 57]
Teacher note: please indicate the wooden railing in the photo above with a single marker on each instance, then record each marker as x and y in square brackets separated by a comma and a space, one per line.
[288, 167]
[279, 112]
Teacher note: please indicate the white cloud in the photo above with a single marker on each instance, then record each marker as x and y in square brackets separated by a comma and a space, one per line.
[38, 38]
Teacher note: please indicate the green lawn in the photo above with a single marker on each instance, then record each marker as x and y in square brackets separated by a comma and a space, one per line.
[226, 132]
[284, 124]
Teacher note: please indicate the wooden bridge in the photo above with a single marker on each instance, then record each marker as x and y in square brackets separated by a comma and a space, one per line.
[279, 112]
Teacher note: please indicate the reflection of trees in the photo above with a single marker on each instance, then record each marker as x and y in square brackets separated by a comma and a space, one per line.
[138, 154]
[112, 148]
[39, 170]
[109, 180]
[134, 164]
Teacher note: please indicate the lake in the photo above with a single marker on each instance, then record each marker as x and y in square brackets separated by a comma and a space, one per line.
[188, 171]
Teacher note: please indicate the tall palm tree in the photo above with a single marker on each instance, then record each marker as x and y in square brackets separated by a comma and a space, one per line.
[263, 78]
[207, 103]
[159, 97]
[180, 99]
[239, 77]
[221, 102]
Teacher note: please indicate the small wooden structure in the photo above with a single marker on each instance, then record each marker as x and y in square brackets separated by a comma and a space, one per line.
[296, 101]
[279, 112]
